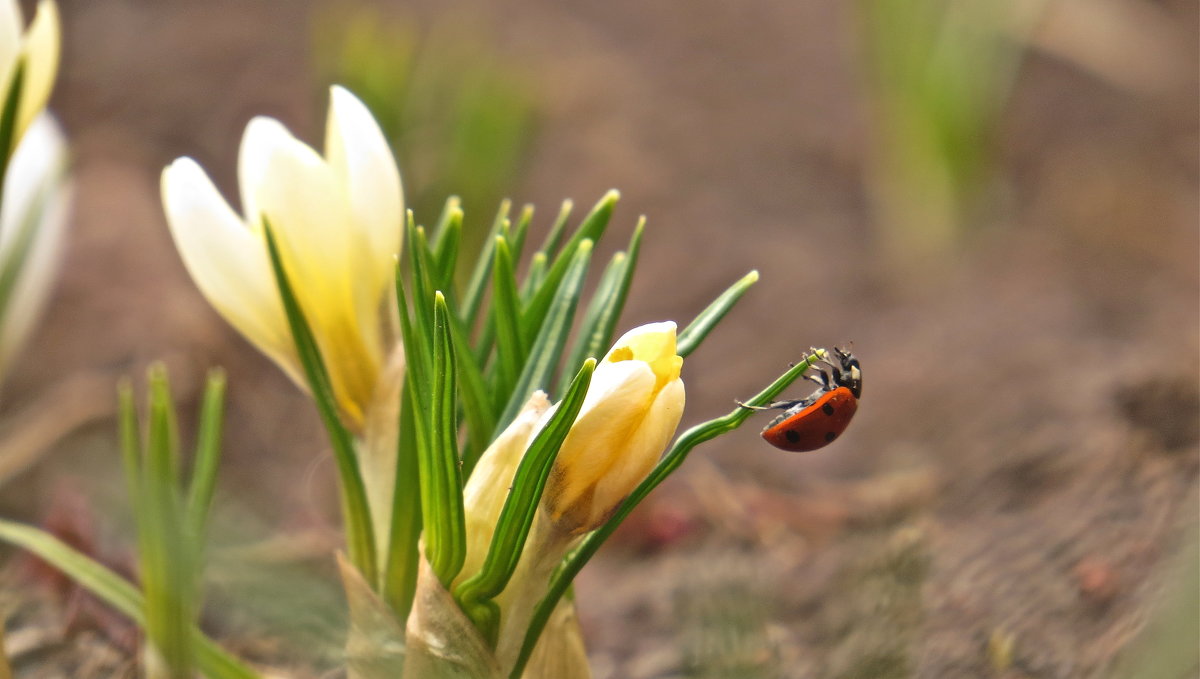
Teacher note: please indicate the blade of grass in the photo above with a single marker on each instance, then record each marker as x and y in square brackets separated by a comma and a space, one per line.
[506, 316]
[590, 229]
[548, 345]
[558, 228]
[441, 481]
[477, 409]
[445, 251]
[562, 578]
[698, 329]
[208, 453]
[402, 565]
[516, 517]
[167, 575]
[473, 299]
[359, 534]
[117, 592]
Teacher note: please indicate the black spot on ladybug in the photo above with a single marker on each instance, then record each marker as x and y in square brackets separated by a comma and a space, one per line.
[827, 409]
[829, 436]
[791, 435]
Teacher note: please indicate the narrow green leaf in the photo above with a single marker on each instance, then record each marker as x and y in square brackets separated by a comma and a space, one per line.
[445, 251]
[516, 517]
[519, 232]
[548, 346]
[423, 286]
[596, 332]
[452, 205]
[473, 299]
[359, 534]
[117, 592]
[208, 454]
[590, 229]
[131, 447]
[558, 228]
[476, 405]
[441, 492]
[167, 573]
[403, 559]
[698, 329]
[706, 431]
[506, 315]
[535, 277]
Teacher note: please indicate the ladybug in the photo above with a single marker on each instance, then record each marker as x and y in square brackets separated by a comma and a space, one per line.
[813, 422]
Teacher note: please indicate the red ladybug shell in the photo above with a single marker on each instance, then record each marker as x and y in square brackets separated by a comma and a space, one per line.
[808, 427]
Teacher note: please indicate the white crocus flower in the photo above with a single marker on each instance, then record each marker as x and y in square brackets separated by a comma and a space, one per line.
[337, 220]
[37, 47]
[32, 217]
[632, 408]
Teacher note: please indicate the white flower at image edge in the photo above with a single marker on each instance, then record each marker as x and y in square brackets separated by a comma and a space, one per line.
[337, 220]
[38, 46]
[33, 189]
[630, 414]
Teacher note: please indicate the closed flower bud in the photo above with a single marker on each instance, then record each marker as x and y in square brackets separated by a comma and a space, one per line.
[337, 219]
[630, 413]
[490, 482]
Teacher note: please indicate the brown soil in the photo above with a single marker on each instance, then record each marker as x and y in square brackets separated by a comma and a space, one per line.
[1024, 461]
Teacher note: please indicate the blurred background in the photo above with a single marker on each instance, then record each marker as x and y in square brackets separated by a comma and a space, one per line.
[995, 201]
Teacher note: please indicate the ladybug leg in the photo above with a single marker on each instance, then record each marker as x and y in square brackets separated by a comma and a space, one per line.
[777, 405]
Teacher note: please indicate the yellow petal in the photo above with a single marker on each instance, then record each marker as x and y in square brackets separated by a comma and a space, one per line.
[614, 409]
[362, 163]
[227, 261]
[642, 450]
[41, 56]
[311, 218]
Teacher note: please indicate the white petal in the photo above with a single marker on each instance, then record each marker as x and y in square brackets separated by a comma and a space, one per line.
[227, 261]
[34, 175]
[39, 156]
[41, 49]
[360, 158]
[310, 216]
[264, 137]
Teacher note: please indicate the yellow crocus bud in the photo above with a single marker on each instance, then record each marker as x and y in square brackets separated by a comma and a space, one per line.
[630, 413]
[337, 219]
[38, 47]
[490, 482]
[34, 188]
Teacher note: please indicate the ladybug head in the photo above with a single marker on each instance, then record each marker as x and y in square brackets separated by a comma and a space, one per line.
[847, 373]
